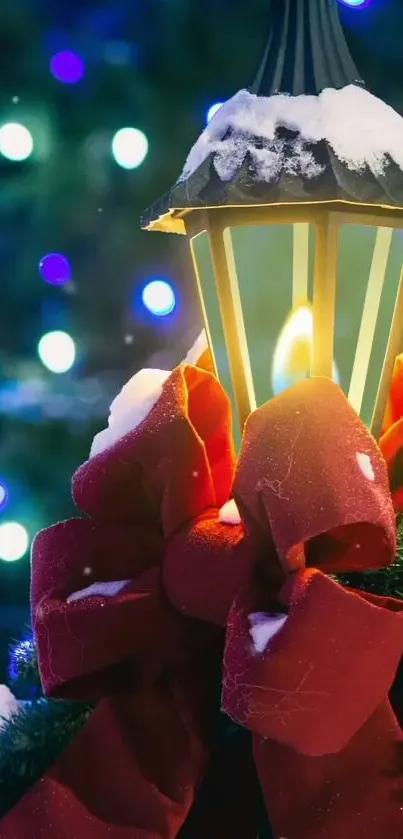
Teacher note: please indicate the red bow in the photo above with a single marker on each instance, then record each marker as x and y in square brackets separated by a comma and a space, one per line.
[307, 664]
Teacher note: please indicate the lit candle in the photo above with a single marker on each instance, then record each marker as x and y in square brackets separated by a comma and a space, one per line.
[293, 354]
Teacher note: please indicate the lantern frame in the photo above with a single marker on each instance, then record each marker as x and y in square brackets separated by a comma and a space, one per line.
[327, 217]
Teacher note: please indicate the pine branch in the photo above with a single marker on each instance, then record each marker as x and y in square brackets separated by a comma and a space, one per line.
[386, 581]
[32, 740]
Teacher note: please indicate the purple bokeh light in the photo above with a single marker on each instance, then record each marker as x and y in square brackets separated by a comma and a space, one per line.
[3, 495]
[55, 269]
[67, 67]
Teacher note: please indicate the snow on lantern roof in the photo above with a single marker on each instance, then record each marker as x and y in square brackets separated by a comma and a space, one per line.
[306, 131]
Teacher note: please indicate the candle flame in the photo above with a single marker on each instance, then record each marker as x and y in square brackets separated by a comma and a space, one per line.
[293, 352]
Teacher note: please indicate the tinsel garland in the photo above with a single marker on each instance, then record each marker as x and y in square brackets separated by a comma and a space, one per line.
[32, 740]
[23, 670]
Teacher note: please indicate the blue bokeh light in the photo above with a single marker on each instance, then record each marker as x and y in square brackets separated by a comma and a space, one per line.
[355, 4]
[67, 67]
[158, 297]
[213, 110]
[55, 269]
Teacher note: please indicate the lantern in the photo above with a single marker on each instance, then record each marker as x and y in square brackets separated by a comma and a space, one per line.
[292, 199]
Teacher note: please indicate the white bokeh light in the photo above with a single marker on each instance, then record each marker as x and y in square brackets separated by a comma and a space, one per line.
[129, 147]
[159, 298]
[57, 351]
[14, 541]
[16, 142]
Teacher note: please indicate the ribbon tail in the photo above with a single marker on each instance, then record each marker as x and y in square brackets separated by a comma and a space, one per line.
[228, 804]
[356, 794]
[131, 773]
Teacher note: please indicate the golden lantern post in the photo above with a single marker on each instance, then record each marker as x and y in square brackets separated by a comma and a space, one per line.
[292, 200]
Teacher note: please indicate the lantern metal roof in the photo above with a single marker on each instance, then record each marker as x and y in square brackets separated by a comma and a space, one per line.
[306, 131]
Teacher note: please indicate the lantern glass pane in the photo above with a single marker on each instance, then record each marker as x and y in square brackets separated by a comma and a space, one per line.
[203, 263]
[274, 266]
[369, 265]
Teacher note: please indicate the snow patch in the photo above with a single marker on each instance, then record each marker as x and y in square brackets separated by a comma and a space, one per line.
[365, 465]
[8, 705]
[130, 407]
[106, 589]
[199, 347]
[360, 128]
[229, 513]
[263, 627]
[137, 398]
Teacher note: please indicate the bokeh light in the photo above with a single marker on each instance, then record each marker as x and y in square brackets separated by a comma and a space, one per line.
[355, 4]
[213, 110]
[67, 67]
[129, 147]
[3, 495]
[16, 142]
[14, 541]
[159, 298]
[55, 269]
[57, 351]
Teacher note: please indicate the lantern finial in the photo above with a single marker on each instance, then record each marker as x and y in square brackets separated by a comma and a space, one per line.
[306, 50]
[307, 130]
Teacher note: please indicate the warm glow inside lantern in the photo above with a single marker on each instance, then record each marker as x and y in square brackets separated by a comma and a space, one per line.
[292, 199]
[293, 291]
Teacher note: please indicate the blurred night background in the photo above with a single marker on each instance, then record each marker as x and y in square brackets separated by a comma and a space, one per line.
[100, 102]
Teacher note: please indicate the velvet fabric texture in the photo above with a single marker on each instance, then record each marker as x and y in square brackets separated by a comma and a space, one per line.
[303, 664]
